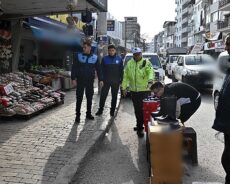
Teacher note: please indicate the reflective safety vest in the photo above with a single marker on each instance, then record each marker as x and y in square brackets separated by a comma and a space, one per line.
[137, 75]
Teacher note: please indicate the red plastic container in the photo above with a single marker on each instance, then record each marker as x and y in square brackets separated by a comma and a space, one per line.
[149, 105]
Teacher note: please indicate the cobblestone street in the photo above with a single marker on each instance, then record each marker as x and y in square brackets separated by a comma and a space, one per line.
[37, 150]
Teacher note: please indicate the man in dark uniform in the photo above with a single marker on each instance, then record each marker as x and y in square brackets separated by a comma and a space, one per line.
[222, 120]
[188, 98]
[82, 75]
[112, 71]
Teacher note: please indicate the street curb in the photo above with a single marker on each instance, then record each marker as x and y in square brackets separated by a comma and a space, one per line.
[67, 173]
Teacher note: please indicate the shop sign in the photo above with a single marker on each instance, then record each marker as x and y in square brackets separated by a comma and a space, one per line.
[197, 48]
[211, 45]
[110, 25]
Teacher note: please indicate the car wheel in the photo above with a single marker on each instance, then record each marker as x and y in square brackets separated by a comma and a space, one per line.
[216, 99]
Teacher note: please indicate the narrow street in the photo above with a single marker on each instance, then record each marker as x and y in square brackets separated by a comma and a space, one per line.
[121, 157]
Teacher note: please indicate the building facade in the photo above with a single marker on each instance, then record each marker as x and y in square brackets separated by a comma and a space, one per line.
[131, 31]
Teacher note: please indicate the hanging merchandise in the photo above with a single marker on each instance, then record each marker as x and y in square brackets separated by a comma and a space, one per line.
[5, 47]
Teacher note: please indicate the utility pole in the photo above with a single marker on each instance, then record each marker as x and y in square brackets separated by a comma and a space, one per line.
[144, 45]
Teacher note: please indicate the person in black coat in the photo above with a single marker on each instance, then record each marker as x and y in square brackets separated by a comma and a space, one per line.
[187, 97]
[82, 75]
[222, 119]
[112, 71]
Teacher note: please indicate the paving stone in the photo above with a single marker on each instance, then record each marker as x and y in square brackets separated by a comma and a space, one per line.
[36, 150]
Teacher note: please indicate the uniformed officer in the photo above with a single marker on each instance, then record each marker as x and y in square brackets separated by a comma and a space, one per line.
[112, 71]
[82, 75]
[138, 76]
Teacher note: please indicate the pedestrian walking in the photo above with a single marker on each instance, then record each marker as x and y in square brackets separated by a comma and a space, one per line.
[188, 98]
[112, 71]
[138, 77]
[82, 75]
[222, 119]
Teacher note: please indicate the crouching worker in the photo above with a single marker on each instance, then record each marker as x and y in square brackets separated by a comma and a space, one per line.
[188, 98]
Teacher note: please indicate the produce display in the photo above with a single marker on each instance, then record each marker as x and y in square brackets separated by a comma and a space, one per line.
[19, 95]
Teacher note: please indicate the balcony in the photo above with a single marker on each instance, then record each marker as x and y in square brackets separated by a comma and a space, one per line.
[190, 10]
[185, 20]
[185, 1]
[223, 25]
[185, 30]
[224, 5]
[183, 40]
[185, 10]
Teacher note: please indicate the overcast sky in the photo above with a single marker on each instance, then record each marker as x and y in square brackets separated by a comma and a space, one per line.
[150, 14]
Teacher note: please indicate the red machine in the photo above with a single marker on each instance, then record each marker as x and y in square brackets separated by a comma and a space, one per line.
[149, 105]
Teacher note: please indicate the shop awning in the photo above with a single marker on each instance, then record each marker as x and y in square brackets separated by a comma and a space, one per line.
[31, 8]
[46, 29]
[67, 38]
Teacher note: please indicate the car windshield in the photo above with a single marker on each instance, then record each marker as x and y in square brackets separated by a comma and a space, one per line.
[127, 58]
[198, 60]
[173, 59]
[154, 59]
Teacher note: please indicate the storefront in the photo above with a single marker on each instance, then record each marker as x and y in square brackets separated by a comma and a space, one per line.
[36, 55]
[44, 62]
[214, 48]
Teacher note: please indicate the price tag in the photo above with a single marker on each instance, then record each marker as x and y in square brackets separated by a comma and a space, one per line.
[8, 89]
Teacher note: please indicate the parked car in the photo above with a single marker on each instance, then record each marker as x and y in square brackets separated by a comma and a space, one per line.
[219, 78]
[155, 60]
[197, 70]
[171, 63]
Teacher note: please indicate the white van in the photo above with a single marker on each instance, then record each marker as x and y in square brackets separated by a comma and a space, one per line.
[155, 60]
[219, 78]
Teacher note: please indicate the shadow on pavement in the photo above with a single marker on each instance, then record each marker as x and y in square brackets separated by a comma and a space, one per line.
[77, 142]
[116, 164]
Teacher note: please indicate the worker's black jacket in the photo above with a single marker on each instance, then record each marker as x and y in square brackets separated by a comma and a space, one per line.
[181, 90]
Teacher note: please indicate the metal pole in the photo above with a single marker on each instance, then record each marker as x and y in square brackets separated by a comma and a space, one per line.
[125, 36]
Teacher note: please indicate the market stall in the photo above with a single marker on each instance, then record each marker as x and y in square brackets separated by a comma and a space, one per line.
[21, 96]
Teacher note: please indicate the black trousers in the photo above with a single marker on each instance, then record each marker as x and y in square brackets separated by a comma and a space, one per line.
[104, 93]
[187, 110]
[226, 158]
[87, 86]
[137, 98]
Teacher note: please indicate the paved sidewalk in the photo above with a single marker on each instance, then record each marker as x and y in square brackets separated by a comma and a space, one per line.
[49, 147]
